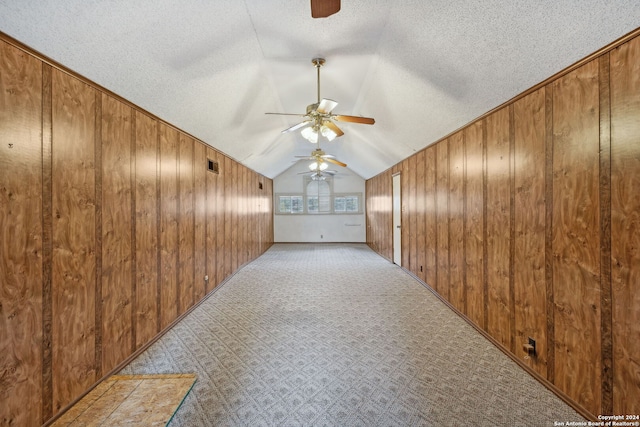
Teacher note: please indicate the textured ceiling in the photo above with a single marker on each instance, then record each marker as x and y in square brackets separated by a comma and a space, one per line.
[421, 68]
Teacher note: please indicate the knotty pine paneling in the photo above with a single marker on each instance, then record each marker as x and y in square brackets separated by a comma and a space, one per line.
[168, 224]
[420, 216]
[117, 229]
[529, 250]
[212, 247]
[442, 218]
[430, 218]
[498, 229]
[456, 221]
[474, 222]
[576, 252]
[625, 225]
[74, 238]
[21, 237]
[146, 223]
[186, 223]
[200, 166]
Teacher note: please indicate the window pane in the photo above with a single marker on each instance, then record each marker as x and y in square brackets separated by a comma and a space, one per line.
[312, 204]
[296, 204]
[324, 204]
[351, 204]
[339, 204]
[285, 204]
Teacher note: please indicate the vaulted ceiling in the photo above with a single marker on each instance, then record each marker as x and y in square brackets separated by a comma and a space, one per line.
[421, 68]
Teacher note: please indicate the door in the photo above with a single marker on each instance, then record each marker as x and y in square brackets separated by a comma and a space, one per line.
[397, 221]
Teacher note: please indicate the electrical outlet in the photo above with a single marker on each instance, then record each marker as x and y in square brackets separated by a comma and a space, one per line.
[321, 236]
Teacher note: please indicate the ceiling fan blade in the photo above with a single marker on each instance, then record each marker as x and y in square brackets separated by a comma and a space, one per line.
[326, 105]
[288, 114]
[330, 172]
[333, 127]
[355, 119]
[324, 8]
[296, 127]
[336, 162]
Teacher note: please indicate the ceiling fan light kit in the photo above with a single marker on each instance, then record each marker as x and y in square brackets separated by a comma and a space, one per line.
[318, 166]
[319, 118]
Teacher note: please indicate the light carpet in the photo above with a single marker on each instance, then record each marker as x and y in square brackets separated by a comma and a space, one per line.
[335, 335]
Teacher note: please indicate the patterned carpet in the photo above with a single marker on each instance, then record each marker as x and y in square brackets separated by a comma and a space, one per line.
[335, 335]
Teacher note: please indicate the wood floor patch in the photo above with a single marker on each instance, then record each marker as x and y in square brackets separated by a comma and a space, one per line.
[131, 400]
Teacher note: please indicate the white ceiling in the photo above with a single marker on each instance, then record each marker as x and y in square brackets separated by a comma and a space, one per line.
[214, 67]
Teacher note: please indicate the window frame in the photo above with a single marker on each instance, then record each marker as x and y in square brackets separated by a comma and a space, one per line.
[332, 200]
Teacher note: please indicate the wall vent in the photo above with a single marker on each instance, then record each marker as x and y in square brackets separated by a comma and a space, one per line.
[212, 166]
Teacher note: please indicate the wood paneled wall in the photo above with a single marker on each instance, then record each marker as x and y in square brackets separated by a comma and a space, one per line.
[109, 223]
[530, 217]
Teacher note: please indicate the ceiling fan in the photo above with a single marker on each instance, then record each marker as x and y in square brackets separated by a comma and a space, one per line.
[324, 8]
[319, 175]
[319, 117]
[319, 158]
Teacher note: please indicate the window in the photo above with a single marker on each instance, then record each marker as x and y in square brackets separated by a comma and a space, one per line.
[290, 204]
[318, 197]
[346, 204]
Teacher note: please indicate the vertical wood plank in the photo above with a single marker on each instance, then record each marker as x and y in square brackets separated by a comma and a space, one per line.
[168, 225]
[456, 220]
[235, 202]
[186, 223]
[498, 219]
[212, 248]
[47, 243]
[625, 225]
[146, 228]
[227, 175]
[576, 267]
[442, 218]
[420, 216]
[221, 217]
[21, 237]
[411, 208]
[200, 216]
[606, 406]
[548, 228]
[98, 232]
[529, 206]
[431, 231]
[474, 224]
[405, 230]
[117, 247]
[74, 245]
[244, 224]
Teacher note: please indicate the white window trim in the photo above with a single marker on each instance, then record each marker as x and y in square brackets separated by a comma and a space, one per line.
[332, 196]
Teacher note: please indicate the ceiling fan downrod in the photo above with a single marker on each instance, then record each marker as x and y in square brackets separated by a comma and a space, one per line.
[318, 62]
